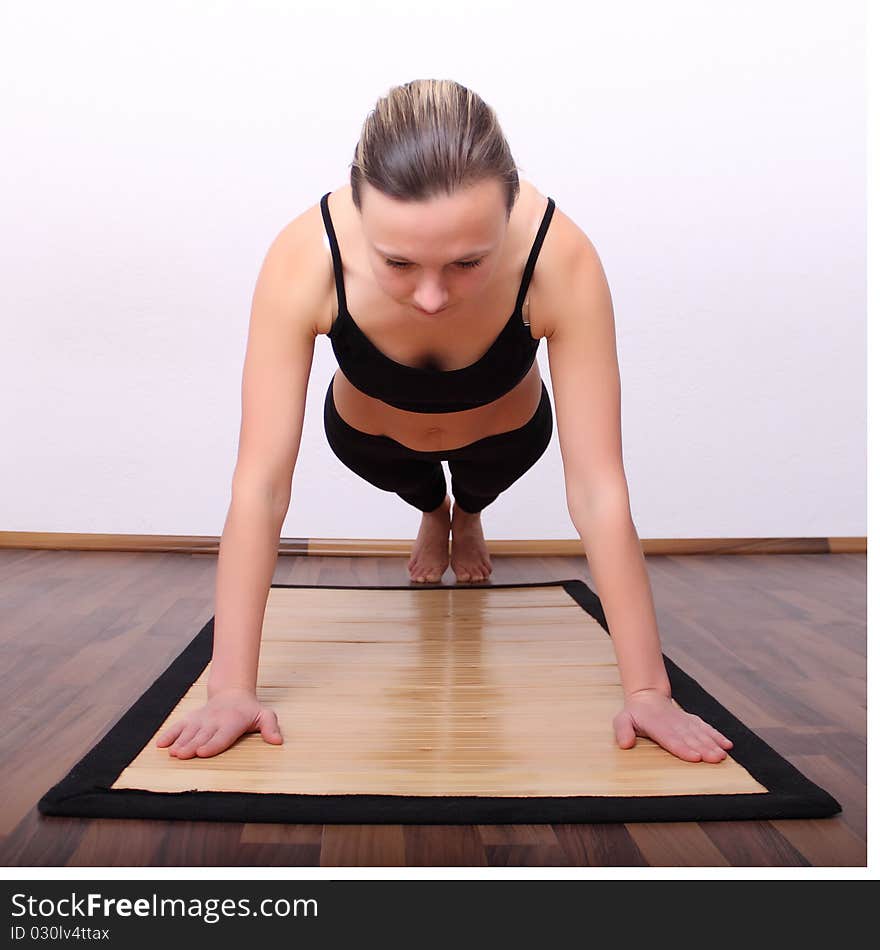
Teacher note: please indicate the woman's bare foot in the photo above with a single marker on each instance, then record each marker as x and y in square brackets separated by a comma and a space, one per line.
[470, 555]
[430, 553]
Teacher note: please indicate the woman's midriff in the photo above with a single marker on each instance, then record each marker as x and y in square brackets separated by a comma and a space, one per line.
[432, 432]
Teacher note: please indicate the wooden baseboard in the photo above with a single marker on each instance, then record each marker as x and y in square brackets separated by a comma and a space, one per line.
[394, 547]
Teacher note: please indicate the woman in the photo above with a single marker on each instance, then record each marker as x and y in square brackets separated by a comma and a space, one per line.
[433, 245]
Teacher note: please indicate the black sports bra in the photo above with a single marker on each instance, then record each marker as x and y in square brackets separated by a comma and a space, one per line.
[419, 389]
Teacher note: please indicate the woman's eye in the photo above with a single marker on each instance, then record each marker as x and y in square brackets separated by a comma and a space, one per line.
[464, 264]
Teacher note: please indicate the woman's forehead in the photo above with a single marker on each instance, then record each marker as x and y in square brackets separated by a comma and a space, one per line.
[455, 227]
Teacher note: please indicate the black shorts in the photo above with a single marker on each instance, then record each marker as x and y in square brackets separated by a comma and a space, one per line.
[480, 471]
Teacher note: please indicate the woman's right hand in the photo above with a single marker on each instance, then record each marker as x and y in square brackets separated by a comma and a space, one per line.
[212, 728]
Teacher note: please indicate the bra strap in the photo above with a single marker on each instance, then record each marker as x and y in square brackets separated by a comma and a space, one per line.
[334, 250]
[533, 256]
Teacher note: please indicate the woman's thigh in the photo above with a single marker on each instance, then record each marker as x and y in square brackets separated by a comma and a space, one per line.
[491, 465]
[380, 460]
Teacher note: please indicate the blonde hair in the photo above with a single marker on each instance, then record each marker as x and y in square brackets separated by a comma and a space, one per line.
[428, 137]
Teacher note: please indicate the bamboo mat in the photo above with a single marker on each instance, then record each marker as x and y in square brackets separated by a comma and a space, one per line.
[444, 696]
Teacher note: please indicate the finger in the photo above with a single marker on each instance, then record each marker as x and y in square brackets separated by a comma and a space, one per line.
[678, 745]
[204, 737]
[205, 732]
[269, 728]
[717, 736]
[218, 742]
[720, 738]
[718, 747]
[708, 747]
[624, 732]
[693, 746]
[169, 735]
[711, 750]
[188, 732]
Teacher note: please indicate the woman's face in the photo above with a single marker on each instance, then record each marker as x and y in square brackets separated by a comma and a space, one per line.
[432, 255]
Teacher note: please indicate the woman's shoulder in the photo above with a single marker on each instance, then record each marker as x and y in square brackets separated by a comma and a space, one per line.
[565, 246]
[564, 240]
[302, 248]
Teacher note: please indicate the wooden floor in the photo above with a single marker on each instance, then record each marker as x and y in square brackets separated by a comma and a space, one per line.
[777, 639]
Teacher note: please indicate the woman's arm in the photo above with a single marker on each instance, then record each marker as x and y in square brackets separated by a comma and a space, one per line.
[277, 366]
[582, 353]
[583, 363]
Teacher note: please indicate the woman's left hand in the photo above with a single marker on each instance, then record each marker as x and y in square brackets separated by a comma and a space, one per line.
[652, 714]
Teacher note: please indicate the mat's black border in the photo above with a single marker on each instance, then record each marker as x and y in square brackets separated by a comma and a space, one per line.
[86, 790]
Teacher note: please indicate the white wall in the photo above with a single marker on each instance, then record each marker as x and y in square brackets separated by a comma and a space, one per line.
[714, 153]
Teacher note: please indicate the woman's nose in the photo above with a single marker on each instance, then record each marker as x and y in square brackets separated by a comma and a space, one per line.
[431, 300]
